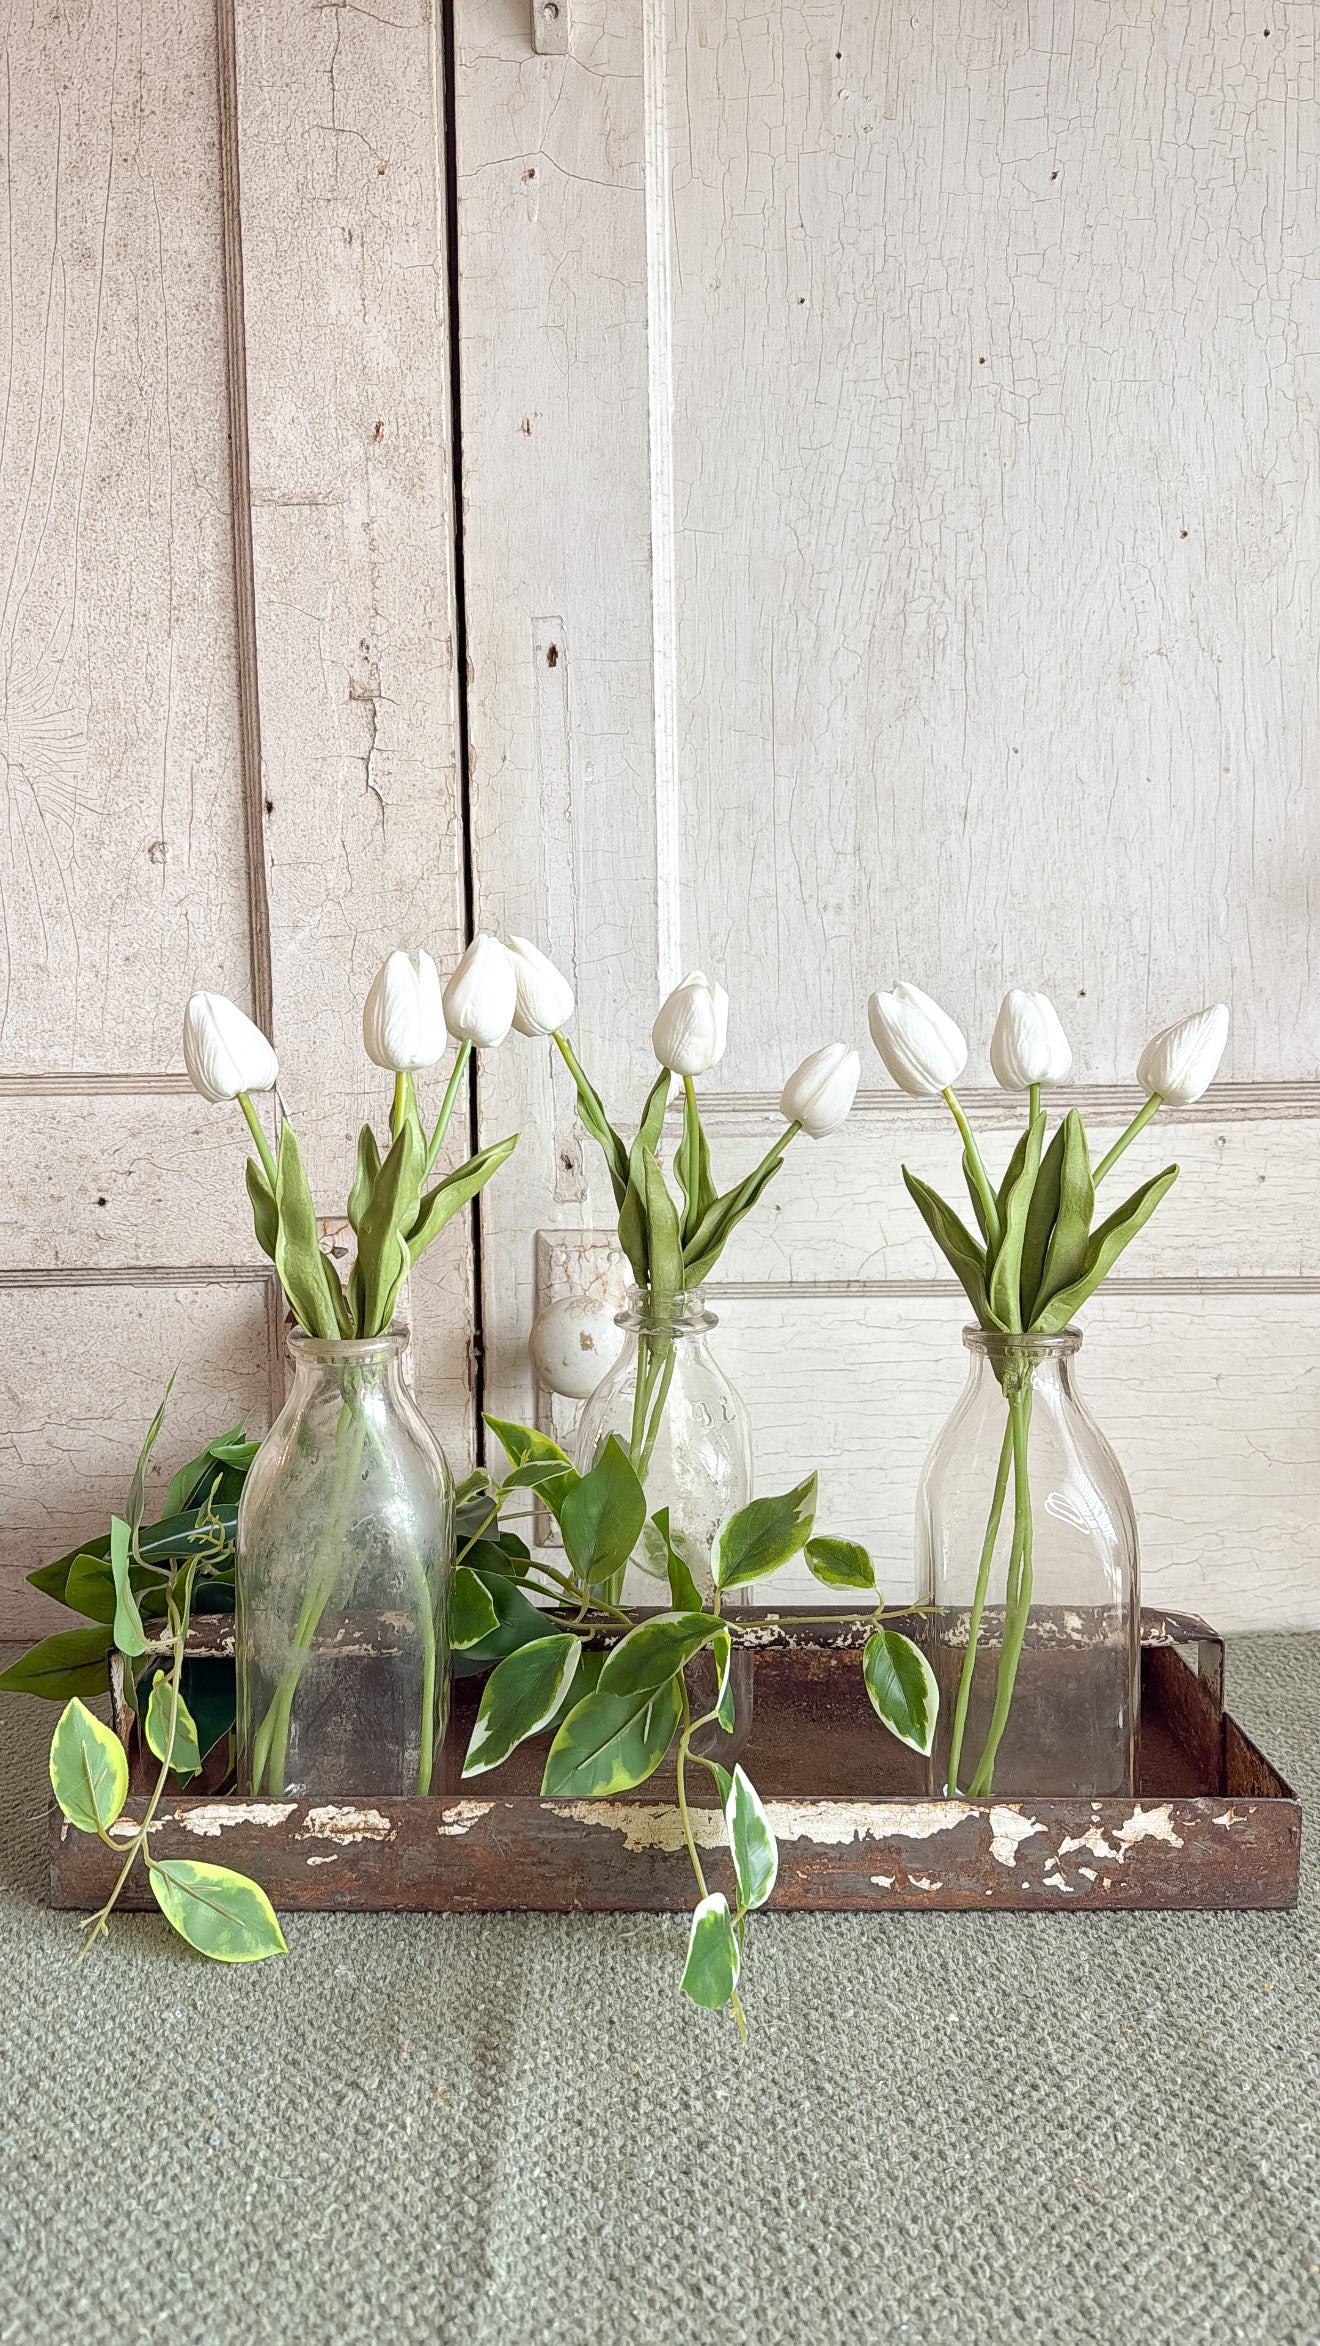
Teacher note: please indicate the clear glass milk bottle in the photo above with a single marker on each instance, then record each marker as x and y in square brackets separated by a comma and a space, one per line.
[344, 1548]
[687, 1433]
[1027, 1555]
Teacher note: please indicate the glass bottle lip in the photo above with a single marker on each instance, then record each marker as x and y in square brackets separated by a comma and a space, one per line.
[685, 1310]
[1000, 1344]
[387, 1346]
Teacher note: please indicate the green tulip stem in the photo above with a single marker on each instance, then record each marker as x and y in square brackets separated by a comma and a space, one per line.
[1017, 1602]
[978, 1607]
[1138, 1124]
[258, 1134]
[446, 1109]
[984, 1187]
[400, 1107]
[1033, 1102]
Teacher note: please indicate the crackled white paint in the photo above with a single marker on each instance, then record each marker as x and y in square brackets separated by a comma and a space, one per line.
[1093, 1840]
[209, 1822]
[346, 1825]
[644, 1826]
[1148, 1824]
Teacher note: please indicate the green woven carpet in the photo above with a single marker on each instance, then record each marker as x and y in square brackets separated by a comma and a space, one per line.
[508, 2131]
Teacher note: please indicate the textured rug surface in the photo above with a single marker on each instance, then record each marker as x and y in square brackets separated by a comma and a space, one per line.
[509, 2131]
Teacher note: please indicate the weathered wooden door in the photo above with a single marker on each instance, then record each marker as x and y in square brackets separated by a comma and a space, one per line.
[891, 549]
[226, 685]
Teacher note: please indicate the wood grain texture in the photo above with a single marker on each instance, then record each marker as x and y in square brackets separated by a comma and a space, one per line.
[121, 855]
[922, 409]
[107, 1352]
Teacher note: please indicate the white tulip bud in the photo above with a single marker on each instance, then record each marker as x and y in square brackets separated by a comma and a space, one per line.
[919, 1043]
[225, 1054]
[1029, 1045]
[690, 1033]
[482, 995]
[1182, 1062]
[820, 1093]
[545, 997]
[403, 1021]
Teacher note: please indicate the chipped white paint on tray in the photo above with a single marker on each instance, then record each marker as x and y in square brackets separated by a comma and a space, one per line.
[346, 1825]
[462, 1815]
[1148, 1824]
[218, 1815]
[1009, 1829]
[643, 1826]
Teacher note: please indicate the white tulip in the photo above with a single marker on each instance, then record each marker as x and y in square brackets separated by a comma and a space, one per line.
[919, 1043]
[1182, 1062]
[403, 1021]
[225, 1054]
[690, 1033]
[545, 997]
[482, 995]
[820, 1093]
[1029, 1045]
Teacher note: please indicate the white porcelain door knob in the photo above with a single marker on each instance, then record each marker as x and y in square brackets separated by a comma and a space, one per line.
[573, 1343]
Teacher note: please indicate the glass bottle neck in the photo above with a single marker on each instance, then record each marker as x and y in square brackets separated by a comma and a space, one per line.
[684, 1313]
[356, 1369]
[1022, 1363]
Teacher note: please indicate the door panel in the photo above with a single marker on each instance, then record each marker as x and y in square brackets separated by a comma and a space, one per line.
[885, 445]
[227, 689]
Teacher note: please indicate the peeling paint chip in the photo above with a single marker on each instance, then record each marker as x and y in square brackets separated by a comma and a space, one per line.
[347, 1825]
[1008, 1827]
[462, 1815]
[211, 1820]
[1149, 1824]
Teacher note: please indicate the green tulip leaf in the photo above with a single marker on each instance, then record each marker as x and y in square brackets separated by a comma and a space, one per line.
[762, 1536]
[609, 1742]
[692, 1166]
[521, 1697]
[1006, 1269]
[308, 1277]
[265, 1212]
[186, 1487]
[366, 1173]
[88, 1770]
[382, 1255]
[710, 1974]
[956, 1244]
[1103, 1250]
[703, 1250]
[457, 1190]
[840, 1563]
[1065, 1257]
[1042, 1214]
[222, 1914]
[902, 1688]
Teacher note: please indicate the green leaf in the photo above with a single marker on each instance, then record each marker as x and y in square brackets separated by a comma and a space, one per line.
[601, 1516]
[902, 1688]
[526, 1447]
[308, 1277]
[366, 1173]
[635, 1232]
[265, 1212]
[1006, 1270]
[128, 1631]
[718, 1223]
[138, 1487]
[600, 1128]
[73, 1661]
[518, 1622]
[653, 1114]
[382, 1256]
[186, 1759]
[520, 1698]
[710, 1973]
[88, 1770]
[762, 1536]
[1103, 1250]
[609, 1742]
[1041, 1215]
[222, 1914]
[457, 1190]
[185, 1484]
[753, 1846]
[955, 1243]
[472, 1616]
[642, 1661]
[725, 1713]
[180, 1536]
[684, 1594]
[90, 1588]
[840, 1563]
[208, 1687]
[974, 1193]
[1065, 1259]
[692, 1165]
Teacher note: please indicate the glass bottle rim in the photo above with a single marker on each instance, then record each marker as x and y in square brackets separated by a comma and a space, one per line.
[686, 1310]
[1000, 1344]
[387, 1346]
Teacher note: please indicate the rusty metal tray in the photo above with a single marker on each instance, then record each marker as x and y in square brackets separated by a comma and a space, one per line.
[1212, 1825]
